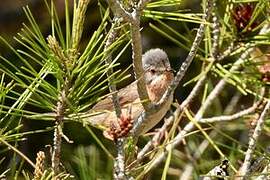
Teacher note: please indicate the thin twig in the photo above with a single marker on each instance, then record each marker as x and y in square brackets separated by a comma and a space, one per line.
[230, 108]
[233, 116]
[113, 34]
[253, 140]
[63, 63]
[185, 65]
[57, 141]
[137, 62]
[66, 64]
[177, 79]
[119, 11]
[119, 164]
[154, 141]
[215, 32]
[134, 21]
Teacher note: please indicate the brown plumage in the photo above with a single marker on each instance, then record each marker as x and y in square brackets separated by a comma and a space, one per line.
[158, 76]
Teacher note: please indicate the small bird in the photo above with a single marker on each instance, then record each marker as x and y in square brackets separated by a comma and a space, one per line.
[158, 76]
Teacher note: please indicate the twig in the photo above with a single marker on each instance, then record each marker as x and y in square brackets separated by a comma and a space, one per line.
[137, 62]
[179, 76]
[194, 92]
[188, 169]
[66, 63]
[185, 65]
[119, 164]
[113, 34]
[57, 141]
[215, 32]
[134, 20]
[233, 116]
[252, 141]
[119, 11]
[63, 62]
[137, 53]
[219, 87]
[163, 103]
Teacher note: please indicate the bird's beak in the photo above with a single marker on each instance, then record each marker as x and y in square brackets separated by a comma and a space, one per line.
[170, 70]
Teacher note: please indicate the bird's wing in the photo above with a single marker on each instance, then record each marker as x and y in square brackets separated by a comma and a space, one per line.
[126, 96]
[103, 115]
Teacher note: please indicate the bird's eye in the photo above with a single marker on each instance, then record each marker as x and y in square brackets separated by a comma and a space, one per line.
[152, 71]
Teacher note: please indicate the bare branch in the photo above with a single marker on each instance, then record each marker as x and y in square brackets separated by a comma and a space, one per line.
[60, 112]
[162, 105]
[185, 65]
[134, 20]
[202, 147]
[137, 62]
[63, 62]
[119, 164]
[253, 140]
[113, 34]
[155, 140]
[234, 116]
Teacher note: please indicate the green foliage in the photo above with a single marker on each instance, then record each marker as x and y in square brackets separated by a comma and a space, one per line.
[37, 75]
[89, 163]
[32, 82]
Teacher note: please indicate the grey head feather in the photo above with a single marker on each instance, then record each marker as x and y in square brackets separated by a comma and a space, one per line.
[155, 58]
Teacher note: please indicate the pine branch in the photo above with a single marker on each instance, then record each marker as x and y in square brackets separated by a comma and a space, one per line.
[244, 171]
[119, 164]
